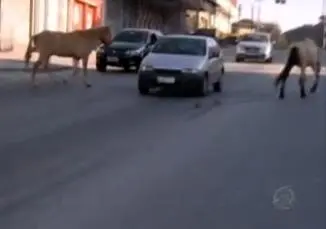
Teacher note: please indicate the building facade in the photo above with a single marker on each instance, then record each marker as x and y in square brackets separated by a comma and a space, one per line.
[168, 16]
[86, 13]
[14, 23]
[215, 14]
[19, 19]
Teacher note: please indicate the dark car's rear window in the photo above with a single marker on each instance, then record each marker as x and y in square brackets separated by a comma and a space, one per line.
[131, 36]
[180, 46]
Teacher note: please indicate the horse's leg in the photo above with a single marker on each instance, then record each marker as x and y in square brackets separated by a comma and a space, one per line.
[85, 75]
[36, 66]
[48, 70]
[316, 70]
[75, 66]
[302, 81]
[281, 94]
[75, 62]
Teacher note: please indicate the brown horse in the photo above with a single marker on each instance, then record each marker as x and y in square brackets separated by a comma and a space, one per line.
[76, 44]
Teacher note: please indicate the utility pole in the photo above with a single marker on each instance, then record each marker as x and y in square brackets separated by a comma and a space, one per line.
[252, 15]
[324, 24]
[258, 14]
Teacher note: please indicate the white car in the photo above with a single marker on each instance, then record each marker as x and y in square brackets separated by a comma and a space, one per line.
[255, 46]
[188, 62]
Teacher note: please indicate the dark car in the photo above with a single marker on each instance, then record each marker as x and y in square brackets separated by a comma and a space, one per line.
[127, 49]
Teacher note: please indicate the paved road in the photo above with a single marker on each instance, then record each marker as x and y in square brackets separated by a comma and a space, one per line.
[73, 158]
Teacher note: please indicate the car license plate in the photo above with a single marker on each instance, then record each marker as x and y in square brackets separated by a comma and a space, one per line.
[112, 59]
[167, 80]
[252, 51]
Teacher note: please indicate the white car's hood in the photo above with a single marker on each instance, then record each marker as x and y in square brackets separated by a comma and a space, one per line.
[169, 61]
[254, 44]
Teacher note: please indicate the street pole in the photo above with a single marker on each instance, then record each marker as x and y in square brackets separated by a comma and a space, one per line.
[324, 24]
[252, 14]
[258, 15]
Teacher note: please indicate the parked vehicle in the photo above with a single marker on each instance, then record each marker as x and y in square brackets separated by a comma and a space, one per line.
[190, 62]
[255, 46]
[127, 49]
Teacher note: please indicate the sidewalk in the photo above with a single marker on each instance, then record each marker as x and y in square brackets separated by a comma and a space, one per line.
[14, 61]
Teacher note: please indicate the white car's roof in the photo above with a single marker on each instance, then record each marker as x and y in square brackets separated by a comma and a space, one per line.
[260, 33]
[186, 36]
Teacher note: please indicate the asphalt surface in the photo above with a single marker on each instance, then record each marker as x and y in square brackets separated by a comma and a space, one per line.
[105, 157]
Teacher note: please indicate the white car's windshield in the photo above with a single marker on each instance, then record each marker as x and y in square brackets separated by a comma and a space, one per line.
[181, 46]
[255, 37]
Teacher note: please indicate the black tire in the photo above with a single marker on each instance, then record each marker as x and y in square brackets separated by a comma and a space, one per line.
[126, 67]
[238, 60]
[137, 66]
[100, 66]
[142, 89]
[217, 86]
[269, 60]
[203, 87]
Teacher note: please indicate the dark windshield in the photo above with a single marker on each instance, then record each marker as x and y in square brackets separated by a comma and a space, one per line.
[131, 36]
[254, 37]
[181, 46]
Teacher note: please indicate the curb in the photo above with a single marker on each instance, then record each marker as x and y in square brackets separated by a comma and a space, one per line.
[51, 69]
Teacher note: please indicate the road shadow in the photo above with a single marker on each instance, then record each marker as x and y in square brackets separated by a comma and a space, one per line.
[119, 71]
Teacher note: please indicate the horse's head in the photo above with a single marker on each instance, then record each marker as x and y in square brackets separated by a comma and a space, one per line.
[104, 34]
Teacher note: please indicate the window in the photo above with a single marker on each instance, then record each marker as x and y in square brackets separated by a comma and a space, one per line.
[131, 36]
[180, 46]
[255, 37]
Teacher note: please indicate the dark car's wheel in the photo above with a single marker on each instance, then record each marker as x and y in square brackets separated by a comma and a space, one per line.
[101, 66]
[143, 89]
[269, 60]
[137, 66]
[126, 67]
[238, 59]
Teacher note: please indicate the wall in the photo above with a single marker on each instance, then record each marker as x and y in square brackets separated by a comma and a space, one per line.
[231, 7]
[137, 13]
[222, 23]
[85, 14]
[14, 23]
[50, 15]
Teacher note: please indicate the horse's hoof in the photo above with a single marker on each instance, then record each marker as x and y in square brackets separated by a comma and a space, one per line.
[303, 96]
[88, 85]
[65, 82]
[281, 96]
[313, 90]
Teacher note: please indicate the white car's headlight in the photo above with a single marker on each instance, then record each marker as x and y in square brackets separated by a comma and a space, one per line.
[239, 49]
[146, 68]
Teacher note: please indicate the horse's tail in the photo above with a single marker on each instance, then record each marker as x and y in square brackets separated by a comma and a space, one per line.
[292, 60]
[30, 49]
